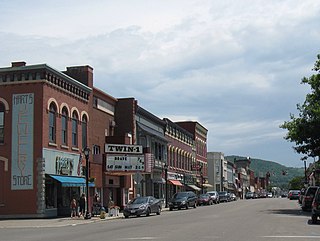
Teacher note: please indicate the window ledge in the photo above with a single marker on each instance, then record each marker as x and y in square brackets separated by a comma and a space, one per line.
[52, 144]
[64, 147]
[75, 148]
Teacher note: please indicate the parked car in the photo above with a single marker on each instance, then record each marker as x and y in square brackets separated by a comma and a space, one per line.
[269, 195]
[249, 195]
[224, 196]
[294, 194]
[142, 206]
[183, 200]
[233, 197]
[214, 196]
[205, 199]
[315, 208]
[307, 198]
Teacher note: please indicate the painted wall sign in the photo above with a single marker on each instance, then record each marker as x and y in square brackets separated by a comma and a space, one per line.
[22, 141]
[125, 163]
[62, 163]
[126, 149]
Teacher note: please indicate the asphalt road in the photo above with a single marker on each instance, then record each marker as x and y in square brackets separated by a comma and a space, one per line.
[271, 219]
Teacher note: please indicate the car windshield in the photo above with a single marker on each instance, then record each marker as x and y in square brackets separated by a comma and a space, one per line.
[204, 195]
[222, 193]
[139, 200]
[180, 195]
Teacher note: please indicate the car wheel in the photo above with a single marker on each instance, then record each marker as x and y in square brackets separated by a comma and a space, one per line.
[314, 218]
[170, 209]
[304, 208]
[126, 216]
[187, 205]
[159, 211]
[148, 212]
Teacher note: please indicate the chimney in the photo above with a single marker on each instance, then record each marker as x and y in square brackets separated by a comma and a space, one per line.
[18, 64]
[83, 74]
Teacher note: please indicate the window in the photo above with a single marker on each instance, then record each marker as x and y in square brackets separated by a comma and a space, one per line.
[64, 126]
[52, 123]
[2, 109]
[74, 129]
[84, 131]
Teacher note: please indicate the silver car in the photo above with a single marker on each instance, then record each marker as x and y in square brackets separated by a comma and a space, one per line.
[214, 196]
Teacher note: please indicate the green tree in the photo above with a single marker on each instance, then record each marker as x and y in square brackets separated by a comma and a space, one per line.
[296, 183]
[304, 130]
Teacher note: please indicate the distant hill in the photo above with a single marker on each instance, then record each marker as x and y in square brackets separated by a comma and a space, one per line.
[261, 167]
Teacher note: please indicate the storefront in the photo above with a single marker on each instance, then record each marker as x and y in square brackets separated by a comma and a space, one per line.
[63, 181]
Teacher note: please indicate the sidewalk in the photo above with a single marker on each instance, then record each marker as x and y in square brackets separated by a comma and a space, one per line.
[52, 222]
[55, 222]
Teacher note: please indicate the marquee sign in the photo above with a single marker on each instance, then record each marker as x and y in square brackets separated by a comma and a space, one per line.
[124, 149]
[125, 163]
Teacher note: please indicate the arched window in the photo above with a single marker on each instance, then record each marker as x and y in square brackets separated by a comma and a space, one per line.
[84, 131]
[52, 122]
[74, 129]
[64, 126]
[2, 111]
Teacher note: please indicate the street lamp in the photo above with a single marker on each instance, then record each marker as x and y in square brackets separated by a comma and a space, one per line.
[86, 153]
[166, 184]
[304, 159]
[201, 177]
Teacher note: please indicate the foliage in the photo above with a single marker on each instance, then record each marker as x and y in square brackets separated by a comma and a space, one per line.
[277, 179]
[304, 130]
[296, 183]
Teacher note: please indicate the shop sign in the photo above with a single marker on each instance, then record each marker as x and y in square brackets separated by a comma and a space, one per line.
[125, 163]
[22, 141]
[62, 163]
[125, 149]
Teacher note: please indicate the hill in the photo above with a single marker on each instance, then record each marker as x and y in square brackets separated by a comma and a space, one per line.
[261, 167]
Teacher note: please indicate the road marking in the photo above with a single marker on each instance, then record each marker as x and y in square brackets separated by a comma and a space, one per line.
[317, 237]
[140, 238]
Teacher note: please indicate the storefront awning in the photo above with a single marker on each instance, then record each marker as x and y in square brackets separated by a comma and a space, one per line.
[207, 185]
[176, 182]
[68, 181]
[194, 187]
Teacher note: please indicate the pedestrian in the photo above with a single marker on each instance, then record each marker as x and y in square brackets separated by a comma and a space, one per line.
[82, 204]
[73, 206]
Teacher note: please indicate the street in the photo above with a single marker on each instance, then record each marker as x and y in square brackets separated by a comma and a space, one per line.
[266, 219]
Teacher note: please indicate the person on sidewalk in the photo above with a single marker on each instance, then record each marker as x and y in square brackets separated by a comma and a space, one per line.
[82, 204]
[73, 206]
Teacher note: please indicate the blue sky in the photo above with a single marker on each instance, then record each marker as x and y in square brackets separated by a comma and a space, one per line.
[234, 66]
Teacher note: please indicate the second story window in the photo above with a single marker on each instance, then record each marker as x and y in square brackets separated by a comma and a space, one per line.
[2, 122]
[84, 132]
[64, 126]
[74, 129]
[52, 123]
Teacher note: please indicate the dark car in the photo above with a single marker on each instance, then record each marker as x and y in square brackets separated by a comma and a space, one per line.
[142, 206]
[183, 200]
[302, 192]
[224, 196]
[294, 194]
[307, 198]
[315, 208]
[214, 196]
[205, 199]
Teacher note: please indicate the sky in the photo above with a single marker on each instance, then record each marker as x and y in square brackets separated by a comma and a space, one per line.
[235, 66]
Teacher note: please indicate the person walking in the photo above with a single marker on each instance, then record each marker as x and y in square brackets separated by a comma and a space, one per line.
[73, 206]
[82, 204]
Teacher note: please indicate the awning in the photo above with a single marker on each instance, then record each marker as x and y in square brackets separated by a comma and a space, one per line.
[176, 182]
[207, 185]
[152, 132]
[68, 181]
[194, 187]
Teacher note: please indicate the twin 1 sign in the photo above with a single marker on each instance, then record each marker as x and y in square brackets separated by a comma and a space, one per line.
[125, 163]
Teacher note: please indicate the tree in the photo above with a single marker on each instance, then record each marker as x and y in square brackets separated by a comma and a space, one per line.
[296, 183]
[304, 130]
